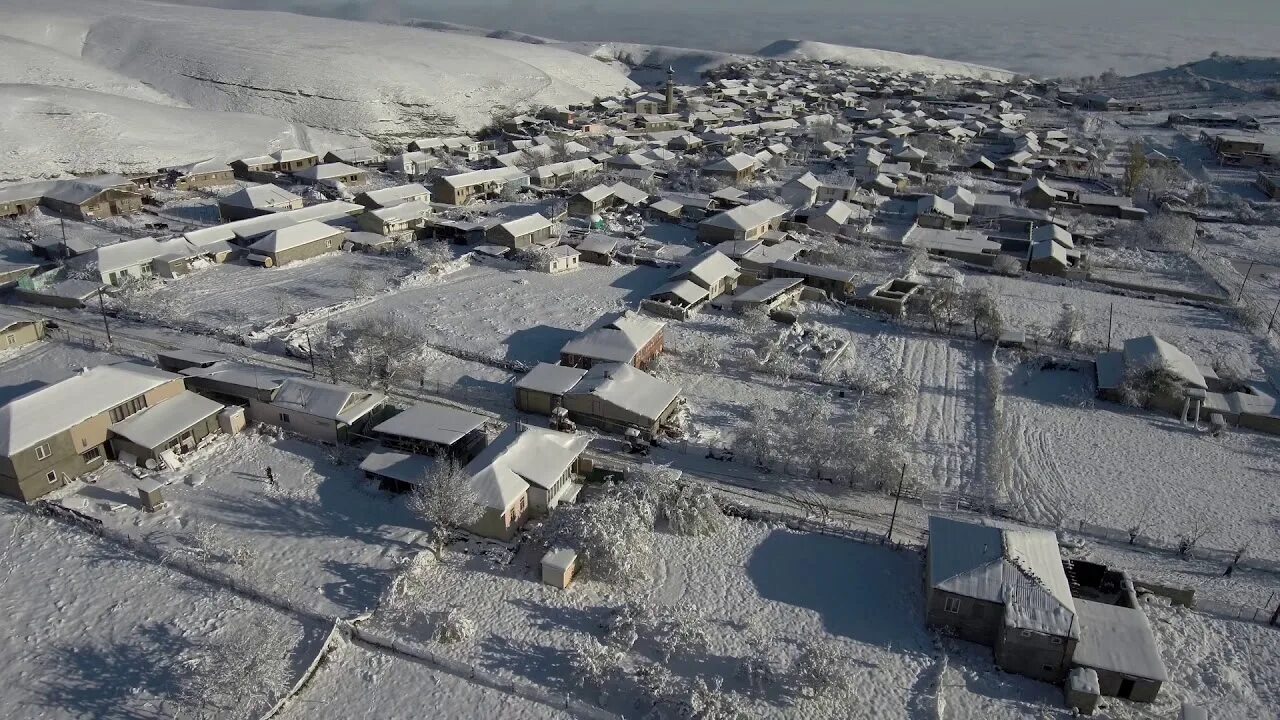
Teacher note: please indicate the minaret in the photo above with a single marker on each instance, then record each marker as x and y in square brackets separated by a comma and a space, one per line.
[671, 90]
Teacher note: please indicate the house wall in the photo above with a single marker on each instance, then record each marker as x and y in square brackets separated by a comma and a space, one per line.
[293, 166]
[977, 621]
[316, 428]
[595, 257]
[542, 501]
[23, 334]
[199, 431]
[24, 477]
[107, 203]
[230, 213]
[205, 180]
[18, 207]
[1036, 655]
[1144, 690]
[534, 401]
[309, 250]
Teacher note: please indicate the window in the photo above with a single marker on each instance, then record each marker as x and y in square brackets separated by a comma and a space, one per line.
[952, 605]
[11, 339]
[124, 410]
[51, 476]
[91, 454]
[1026, 633]
[42, 452]
[284, 417]
[1055, 641]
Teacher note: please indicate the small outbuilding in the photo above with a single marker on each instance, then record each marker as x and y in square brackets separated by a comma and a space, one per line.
[558, 567]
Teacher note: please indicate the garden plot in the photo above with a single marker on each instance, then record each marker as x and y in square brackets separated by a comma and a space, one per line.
[515, 315]
[1118, 467]
[357, 682]
[320, 536]
[1203, 332]
[240, 297]
[1173, 271]
[96, 631]
[754, 591]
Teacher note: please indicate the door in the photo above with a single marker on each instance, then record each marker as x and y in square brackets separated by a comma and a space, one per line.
[1126, 688]
[187, 441]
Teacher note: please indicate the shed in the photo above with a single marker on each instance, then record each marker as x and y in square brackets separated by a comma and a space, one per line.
[543, 388]
[149, 494]
[1118, 644]
[558, 567]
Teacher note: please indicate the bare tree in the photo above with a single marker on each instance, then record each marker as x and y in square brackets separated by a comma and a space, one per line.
[235, 670]
[453, 626]
[1194, 529]
[983, 309]
[820, 669]
[1135, 167]
[445, 499]
[1070, 326]
[358, 282]
[944, 304]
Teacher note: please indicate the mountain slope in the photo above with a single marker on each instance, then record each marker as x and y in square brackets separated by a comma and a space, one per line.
[868, 57]
[386, 82]
[49, 131]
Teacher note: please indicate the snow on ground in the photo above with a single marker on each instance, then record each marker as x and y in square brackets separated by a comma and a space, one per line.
[48, 131]
[1203, 332]
[868, 57]
[1169, 270]
[1227, 666]
[519, 315]
[240, 296]
[752, 582]
[30, 63]
[383, 81]
[357, 682]
[96, 631]
[1116, 466]
[322, 536]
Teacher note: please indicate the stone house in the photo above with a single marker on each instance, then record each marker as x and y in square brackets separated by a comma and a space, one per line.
[296, 242]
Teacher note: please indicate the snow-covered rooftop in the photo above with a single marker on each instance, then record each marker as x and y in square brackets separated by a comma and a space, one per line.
[628, 388]
[747, 217]
[153, 426]
[45, 412]
[537, 455]
[1117, 639]
[433, 423]
[1150, 351]
[332, 402]
[550, 379]
[295, 236]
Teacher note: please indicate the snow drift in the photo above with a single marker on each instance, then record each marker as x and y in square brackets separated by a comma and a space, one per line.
[868, 57]
[386, 82]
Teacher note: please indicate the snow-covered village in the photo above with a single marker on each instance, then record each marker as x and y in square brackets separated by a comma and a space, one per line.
[402, 369]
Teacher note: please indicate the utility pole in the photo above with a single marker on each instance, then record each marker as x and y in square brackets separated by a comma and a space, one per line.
[66, 251]
[1247, 273]
[310, 355]
[1273, 317]
[896, 499]
[1110, 316]
[102, 306]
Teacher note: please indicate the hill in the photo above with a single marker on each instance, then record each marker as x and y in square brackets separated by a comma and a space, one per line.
[868, 57]
[1217, 79]
[48, 131]
[647, 64]
[386, 82]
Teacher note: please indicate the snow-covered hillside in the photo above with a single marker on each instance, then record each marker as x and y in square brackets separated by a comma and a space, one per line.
[649, 63]
[48, 131]
[868, 57]
[386, 82]
[1219, 79]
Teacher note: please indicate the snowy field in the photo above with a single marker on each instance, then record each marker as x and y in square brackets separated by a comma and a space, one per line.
[754, 589]
[357, 682]
[518, 315]
[1116, 466]
[1203, 332]
[321, 536]
[241, 297]
[95, 631]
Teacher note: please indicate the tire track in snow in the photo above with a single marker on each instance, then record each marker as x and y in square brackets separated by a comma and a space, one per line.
[944, 421]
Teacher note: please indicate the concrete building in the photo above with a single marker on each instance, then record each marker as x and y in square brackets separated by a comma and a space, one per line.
[742, 223]
[60, 432]
[296, 242]
[521, 233]
[546, 461]
[630, 338]
[255, 201]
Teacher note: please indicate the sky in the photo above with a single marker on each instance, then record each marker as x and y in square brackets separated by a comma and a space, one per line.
[1063, 38]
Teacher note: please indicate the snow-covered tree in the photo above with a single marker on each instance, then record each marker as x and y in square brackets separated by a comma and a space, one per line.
[945, 301]
[759, 669]
[595, 665]
[431, 255]
[1007, 265]
[820, 669]
[454, 626]
[234, 670]
[626, 622]
[760, 437]
[680, 631]
[613, 536]
[1069, 328]
[694, 511]
[981, 306]
[371, 351]
[445, 499]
